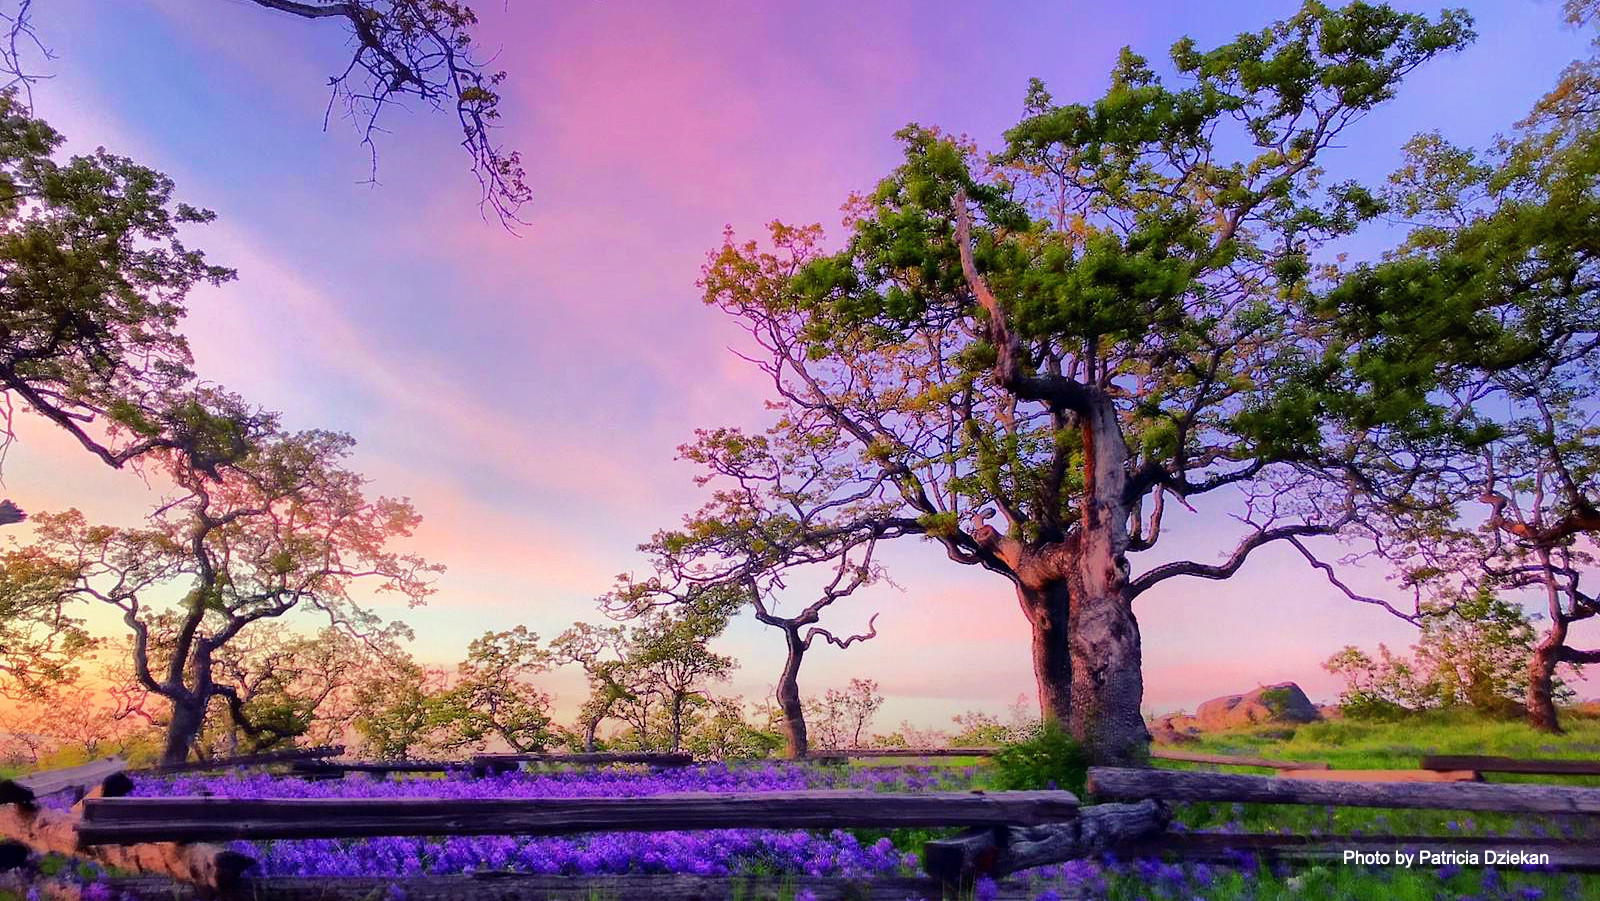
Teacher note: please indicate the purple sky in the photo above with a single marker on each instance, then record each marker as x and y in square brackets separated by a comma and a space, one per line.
[528, 392]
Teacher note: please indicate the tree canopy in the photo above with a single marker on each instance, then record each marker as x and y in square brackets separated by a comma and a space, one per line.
[1114, 311]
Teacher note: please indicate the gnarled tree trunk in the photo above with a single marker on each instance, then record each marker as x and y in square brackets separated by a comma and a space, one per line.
[1107, 682]
[1542, 713]
[788, 696]
[188, 716]
[1048, 611]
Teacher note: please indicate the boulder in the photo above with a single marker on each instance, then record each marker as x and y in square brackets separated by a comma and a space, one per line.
[1175, 729]
[1281, 703]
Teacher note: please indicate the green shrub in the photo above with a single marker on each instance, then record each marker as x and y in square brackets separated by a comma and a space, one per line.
[1049, 759]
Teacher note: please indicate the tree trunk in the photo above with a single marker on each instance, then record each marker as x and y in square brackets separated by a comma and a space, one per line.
[1047, 612]
[1542, 668]
[1542, 678]
[1107, 682]
[788, 694]
[677, 723]
[188, 716]
[590, 727]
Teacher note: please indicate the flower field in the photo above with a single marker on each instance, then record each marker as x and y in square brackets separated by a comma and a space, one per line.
[777, 852]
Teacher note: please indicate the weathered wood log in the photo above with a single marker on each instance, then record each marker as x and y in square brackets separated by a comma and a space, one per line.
[1131, 784]
[1001, 850]
[502, 886]
[1533, 766]
[107, 774]
[265, 758]
[485, 764]
[122, 820]
[334, 768]
[44, 831]
[1229, 760]
[867, 753]
[1383, 775]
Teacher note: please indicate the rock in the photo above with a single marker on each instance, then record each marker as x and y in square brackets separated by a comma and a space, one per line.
[1281, 703]
[1175, 729]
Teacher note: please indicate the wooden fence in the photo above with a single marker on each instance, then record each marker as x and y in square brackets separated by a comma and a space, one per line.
[1007, 831]
[135, 820]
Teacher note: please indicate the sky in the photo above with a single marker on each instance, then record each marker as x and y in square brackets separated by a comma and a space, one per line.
[528, 391]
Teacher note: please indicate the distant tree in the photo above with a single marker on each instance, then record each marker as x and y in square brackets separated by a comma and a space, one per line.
[747, 545]
[291, 686]
[286, 529]
[40, 641]
[602, 652]
[93, 277]
[494, 696]
[1112, 313]
[843, 716]
[976, 729]
[722, 732]
[395, 708]
[670, 651]
[1490, 311]
[402, 50]
[1473, 654]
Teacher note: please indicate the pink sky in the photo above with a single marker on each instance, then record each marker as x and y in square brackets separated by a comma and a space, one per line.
[528, 392]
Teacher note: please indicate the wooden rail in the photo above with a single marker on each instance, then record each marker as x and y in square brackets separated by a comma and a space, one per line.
[873, 753]
[1229, 760]
[1176, 785]
[1383, 775]
[1534, 766]
[487, 764]
[223, 763]
[325, 768]
[122, 820]
[107, 775]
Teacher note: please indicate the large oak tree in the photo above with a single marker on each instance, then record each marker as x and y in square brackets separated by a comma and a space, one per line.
[1108, 318]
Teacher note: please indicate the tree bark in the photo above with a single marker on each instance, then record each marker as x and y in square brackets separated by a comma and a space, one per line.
[1542, 713]
[1107, 681]
[188, 716]
[590, 727]
[677, 722]
[788, 696]
[1047, 610]
[1542, 667]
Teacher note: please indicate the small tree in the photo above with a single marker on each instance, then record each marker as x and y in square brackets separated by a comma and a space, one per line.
[287, 529]
[1474, 654]
[603, 653]
[395, 708]
[843, 716]
[494, 697]
[671, 653]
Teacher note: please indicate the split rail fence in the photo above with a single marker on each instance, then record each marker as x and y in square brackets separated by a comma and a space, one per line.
[153, 841]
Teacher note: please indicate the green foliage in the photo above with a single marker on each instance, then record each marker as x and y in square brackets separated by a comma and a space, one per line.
[1474, 655]
[95, 275]
[1048, 759]
[842, 718]
[494, 697]
[40, 641]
